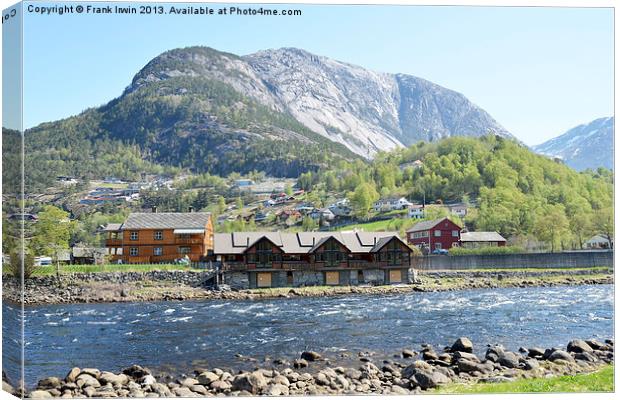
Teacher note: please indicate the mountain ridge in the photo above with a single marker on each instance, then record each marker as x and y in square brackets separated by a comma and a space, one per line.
[588, 145]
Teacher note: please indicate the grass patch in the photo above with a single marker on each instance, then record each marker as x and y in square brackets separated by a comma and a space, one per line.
[394, 224]
[68, 269]
[599, 381]
[568, 271]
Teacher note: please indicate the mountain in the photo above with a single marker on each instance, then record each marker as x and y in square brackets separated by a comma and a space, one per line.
[281, 111]
[585, 146]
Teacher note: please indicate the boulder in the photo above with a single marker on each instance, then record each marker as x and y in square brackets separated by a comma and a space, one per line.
[49, 383]
[463, 344]
[7, 387]
[467, 356]
[588, 357]
[561, 355]
[95, 373]
[417, 366]
[408, 353]
[207, 377]
[276, 389]
[87, 380]
[108, 377]
[136, 371]
[578, 346]
[199, 389]
[399, 390]
[147, 380]
[508, 359]
[300, 363]
[72, 375]
[596, 345]
[220, 385]
[252, 382]
[40, 394]
[428, 380]
[311, 356]
[531, 364]
[468, 366]
[535, 352]
[189, 382]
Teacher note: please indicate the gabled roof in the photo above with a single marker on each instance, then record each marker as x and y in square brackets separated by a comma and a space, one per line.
[325, 240]
[381, 243]
[426, 225]
[166, 220]
[265, 237]
[482, 237]
[300, 242]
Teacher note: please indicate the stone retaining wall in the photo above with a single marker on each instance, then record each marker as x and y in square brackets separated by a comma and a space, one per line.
[585, 259]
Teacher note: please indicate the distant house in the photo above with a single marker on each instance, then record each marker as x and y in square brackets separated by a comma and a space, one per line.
[415, 164]
[391, 203]
[341, 209]
[481, 239]
[324, 213]
[66, 180]
[243, 183]
[152, 238]
[88, 255]
[599, 241]
[416, 211]
[436, 234]
[459, 210]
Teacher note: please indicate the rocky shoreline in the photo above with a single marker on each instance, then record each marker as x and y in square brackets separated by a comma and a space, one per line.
[409, 372]
[190, 285]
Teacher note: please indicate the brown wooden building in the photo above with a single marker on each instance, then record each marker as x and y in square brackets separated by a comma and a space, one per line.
[153, 238]
[272, 259]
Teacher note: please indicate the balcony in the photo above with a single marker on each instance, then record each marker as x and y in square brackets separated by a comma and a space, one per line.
[113, 242]
[188, 241]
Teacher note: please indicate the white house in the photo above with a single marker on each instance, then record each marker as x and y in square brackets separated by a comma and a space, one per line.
[415, 211]
[391, 203]
[458, 210]
[599, 241]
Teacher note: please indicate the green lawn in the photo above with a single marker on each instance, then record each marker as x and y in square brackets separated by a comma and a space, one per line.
[599, 381]
[65, 269]
[385, 225]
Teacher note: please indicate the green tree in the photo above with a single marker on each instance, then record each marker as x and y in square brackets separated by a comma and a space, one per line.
[239, 203]
[603, 221]
[221, 205]
[288, 189]
[362, 199]
[308, 224]
[552, 226]
[52, 231]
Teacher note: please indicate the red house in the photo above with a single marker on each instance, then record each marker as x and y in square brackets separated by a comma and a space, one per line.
[436, 234]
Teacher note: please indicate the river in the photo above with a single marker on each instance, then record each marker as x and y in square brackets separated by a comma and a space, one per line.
[176, 336]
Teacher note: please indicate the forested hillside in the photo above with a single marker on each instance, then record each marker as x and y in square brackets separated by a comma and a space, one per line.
[516, 191]
[192, 123]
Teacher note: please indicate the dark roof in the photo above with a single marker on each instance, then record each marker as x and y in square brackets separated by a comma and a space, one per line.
[426, 225]
[166, 220]
[300, 242]
[482, 237]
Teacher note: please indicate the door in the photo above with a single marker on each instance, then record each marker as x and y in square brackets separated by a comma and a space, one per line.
[263, 279]
[332, 277]
[396, 276]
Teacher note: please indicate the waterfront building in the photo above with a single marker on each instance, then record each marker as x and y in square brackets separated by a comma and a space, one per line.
[274, 259]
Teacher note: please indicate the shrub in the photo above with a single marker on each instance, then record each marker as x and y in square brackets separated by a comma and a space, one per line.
[15, 264]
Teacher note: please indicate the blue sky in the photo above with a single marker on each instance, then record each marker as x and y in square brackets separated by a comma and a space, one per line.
[538, 71]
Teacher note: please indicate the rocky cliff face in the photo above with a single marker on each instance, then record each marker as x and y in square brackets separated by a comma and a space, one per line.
[585, 146]
[364, 110]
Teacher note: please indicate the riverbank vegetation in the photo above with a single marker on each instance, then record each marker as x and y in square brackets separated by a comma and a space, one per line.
[598, 381]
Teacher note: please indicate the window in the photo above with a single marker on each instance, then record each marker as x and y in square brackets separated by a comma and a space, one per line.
[158, 251]
[133, 235]
[158, 235]
[438, 245]
[437, 233]
[395, 254]
[185, 250]
[264, 255]
[133, 251]
[455, 233]
[331, 254]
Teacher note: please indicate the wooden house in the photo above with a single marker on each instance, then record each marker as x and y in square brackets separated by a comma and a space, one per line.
[435, 234]
[153, 238]
[272, 259]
